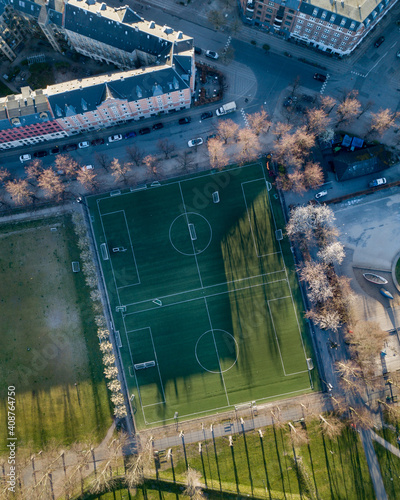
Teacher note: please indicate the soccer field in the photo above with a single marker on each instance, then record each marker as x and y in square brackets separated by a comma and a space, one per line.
[200, 294]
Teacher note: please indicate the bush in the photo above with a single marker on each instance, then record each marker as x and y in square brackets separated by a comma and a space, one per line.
[266, 47]
[253, 42]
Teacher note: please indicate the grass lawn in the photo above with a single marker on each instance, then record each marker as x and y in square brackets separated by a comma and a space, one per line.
[211, 311]
[266, 468]
[389, 463]
[49, 345]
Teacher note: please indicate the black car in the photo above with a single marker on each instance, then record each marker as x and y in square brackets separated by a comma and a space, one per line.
[97, 142]
[183, 121]
[144, 131]
[157, 126]
[40, 154]
[197, 50]
[70, 147]
[212, 136]
[207, 114]
[319, 77]
[129, 135]
[379, 41]
[55, 150]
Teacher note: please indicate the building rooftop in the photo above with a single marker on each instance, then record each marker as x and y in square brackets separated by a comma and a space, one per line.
[357, 10]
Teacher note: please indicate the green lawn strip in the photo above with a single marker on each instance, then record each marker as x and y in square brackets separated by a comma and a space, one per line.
[389, 463]
[331, 469]
[49, 339]
[397, 271]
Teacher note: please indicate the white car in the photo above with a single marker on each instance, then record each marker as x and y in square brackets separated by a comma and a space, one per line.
[84, 144]
[321, 194]
[211, 54]
[195, 142]
[115, 138]
[23, 158]
[88, 167]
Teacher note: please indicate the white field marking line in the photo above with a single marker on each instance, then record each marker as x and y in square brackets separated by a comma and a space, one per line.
[206, 297]
[298, 326]
[158, 367]
[276, 338]
[133, 253]
[251, 226]
[187, 222]
[134, 371]
[110, 260]
[216, 351]
[280, 298]
[214, 410]
[155, 404]
[163, 297]
[112, 213]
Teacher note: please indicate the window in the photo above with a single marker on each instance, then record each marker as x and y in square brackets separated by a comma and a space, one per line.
[352, 25]
[326, 31]
[333, 17]
[271, 3]
[287, 23]
[267, 16]
[336, 35]
[318, 28]
[307, 30]
[324, 36]
[309, 24]
[269, 10]
[300, 21]
[291, 11]
[315, 12]
[323, 15]
[289, 18]
[343, 22]
[346, 38]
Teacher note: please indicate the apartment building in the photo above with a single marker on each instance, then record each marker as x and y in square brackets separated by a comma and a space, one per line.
[332, 26]
[158, 76]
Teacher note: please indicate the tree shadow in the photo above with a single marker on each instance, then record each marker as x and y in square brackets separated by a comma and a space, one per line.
[327, 466]
[235, 470]
[248, 463]
[265, 468]
[216, 461]
[279, 459]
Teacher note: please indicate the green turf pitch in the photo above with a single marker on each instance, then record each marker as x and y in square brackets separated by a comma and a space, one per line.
[206, 293]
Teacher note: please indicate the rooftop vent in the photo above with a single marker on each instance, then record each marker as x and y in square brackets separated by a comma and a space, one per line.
[103, 6]
[152, 25]
[179, 36]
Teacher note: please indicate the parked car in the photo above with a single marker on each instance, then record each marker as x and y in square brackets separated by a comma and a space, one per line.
[377, 182]
[129, 135]
[84, 144]
[379, 41]
[25, 157]
[207, 114]
[308, 98]
[55, 150]
[211, 54]
[87, 167]
[97, 142]
[319, 77]
[115, 138]
[211, 136]
[195, 142]
[198, 51]
[157, 126]
[70, 147]
[321, 194]
[398, 53]
[183, 121]
[40, 154]
[144, 131]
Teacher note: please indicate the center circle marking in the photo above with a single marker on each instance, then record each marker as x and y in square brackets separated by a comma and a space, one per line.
[193, 252]
[218, 332]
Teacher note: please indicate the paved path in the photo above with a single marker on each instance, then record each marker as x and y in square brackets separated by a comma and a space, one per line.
[373, 465]
[385, 443]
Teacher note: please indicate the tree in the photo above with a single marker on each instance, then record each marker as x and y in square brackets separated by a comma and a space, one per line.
[259, 122]
[111, 372]
[327, 104]
[215, 18]
[365, 107]
[4, 174]
[193, 486]
[139, 465]
[106, 347]
[366, 341]
[351, 375]
[165, 146]
[348, 108]
[326, 317]
[185, 161]
[331, 426]
[114, 385]
[313, 175]
[318, 284]
[317, 120]
[135, 154]
[50, 182]
[216, 153]
[119, 171]
[151, 163]
[295, 85]
[298, 435]
[291, 149]
[249, 145]
[108, 359]
[227, 129]
[280, 129]
[117, 399]
[19, 191]
[33, 170]
[333, 253]
[87, 178]
[305, 221]
[103, 160]
[66, 164]
[382, 121]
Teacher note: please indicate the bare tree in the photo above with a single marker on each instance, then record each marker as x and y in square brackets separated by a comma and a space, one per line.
[4, 174]
[19, 191]
[249, 145]
[281, 129]
[152, 163]
[216, 19]
[259, 122]
[298, 435]
[326, 317]
[33, 171]
[50, 182]
[185, 161]
[327, 103]
[227, 129]
[111, 372]
[361, 417]
[139, 465]
[295, 85]
[103, 160]
[119, 170]
[367, 341]
[108, 359]
[382, 121]
[135, 154]
[193, 485]
[318, 284]
[165, 146]
[292, 149]
[216, 153]
[333, 253]
[348, 109]
[317, 120]
[87, 178]
[331, 425]
[66, 164]
[313, 175]
[114, 385]
[106, 347]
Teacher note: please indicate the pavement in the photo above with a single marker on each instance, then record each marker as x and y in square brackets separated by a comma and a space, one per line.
[373, 465]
